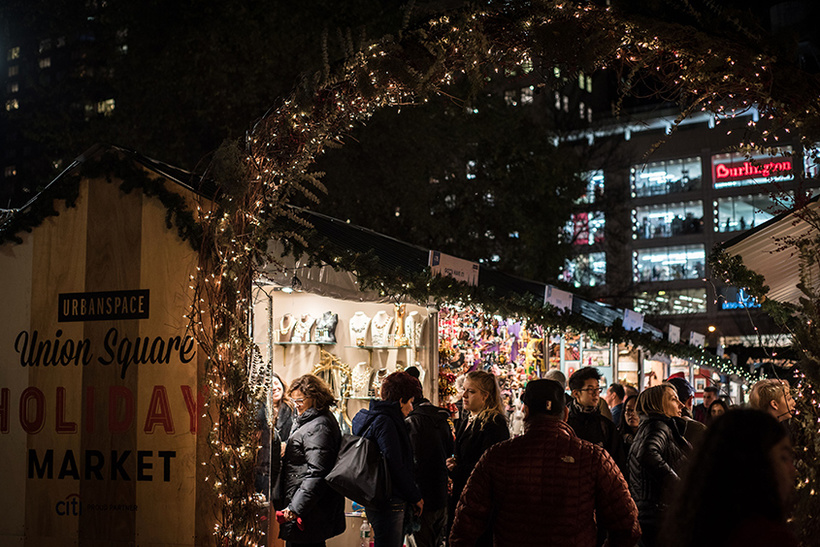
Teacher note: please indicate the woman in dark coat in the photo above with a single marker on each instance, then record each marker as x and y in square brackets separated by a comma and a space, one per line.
[656, 457]
[485, 425]
[384, 423]
[313, 512]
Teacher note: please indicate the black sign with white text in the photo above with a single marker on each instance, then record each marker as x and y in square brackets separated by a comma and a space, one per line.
[103, 306]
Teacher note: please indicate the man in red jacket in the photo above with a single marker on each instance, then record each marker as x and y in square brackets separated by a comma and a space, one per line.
[546, 487]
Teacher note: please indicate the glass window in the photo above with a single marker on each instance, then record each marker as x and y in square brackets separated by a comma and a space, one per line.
[45, 62]
[13, 53]
[45, 45]
[669, 263]
[595, 187]
[671, 302]
[585, 228]
[511, 97]
[13, 70]
[667, 220]
[744, 212]
[106, 108]
[666, 177]
[12, 104]
[586, 270]
[527, 95]
[10, 171]
[12, 87]
[730, 170]
[811, 161]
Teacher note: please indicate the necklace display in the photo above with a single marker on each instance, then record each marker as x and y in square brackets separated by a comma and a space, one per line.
[376, 385]
[358, 328]
[301, 331]
[361, 379]
[412, 329]
[284, 329]
[380, 329]
[326, 328]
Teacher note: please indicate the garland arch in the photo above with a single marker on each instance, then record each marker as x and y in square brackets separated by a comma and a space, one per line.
[699, 72]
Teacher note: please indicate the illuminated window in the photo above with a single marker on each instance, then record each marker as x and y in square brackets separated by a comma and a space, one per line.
[12, 104]
[744, 212]
[10, 171]
[671, 302]
[586, 270]
[666, 177]
[12, 87]
[595, 187]
[669, 263]
[527, 95]
[811, 162]
[471, 169]
[45, 45]
[13, 53]
[585, 228]
[45, 62]
[106, 108]
[557, 100]
[581, 110]
[566, 103]
[667, 220]
[511, 97]
[13, 70]
[556, 72]
[526, 66]
[581, 80]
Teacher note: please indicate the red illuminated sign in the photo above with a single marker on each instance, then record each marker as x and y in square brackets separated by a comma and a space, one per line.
[728, 171]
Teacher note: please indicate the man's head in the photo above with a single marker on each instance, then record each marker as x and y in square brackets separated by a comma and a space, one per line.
[584, 385]
[773, 396]
[685, 391]
[710, 395]
[558, 376]
[615, 395]
[544, 398]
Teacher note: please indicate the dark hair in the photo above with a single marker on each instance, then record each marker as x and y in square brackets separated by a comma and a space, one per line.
[315, 388]
[400, 387]
[683, 388]
[285, 396]
[618, 390]
[622, 424]
[735, 453]
[718, 402]
[580, 376]
[711, 389]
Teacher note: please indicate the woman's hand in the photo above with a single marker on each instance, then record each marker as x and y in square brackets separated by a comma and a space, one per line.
[450, 463]
[289, 515]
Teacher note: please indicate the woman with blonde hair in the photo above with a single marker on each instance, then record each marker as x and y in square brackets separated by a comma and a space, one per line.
[482, 424]
[313, 512]
[657, 456]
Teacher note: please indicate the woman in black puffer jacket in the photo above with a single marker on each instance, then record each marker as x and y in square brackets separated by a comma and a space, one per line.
[313, 512]
[656, 457]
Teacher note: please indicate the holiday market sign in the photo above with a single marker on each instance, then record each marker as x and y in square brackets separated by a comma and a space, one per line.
[100, 409]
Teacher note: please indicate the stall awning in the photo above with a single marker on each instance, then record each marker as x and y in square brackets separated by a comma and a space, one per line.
[763, 251]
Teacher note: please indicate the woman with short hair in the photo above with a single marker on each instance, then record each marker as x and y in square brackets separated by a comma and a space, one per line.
[313, 512]
[384, 423]
[657, 456]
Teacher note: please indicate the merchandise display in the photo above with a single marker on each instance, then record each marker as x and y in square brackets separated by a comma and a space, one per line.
[412, 328]
[285, 327]
[358, 328]
[302, 329]
[362, 374]
[380, 329]
[325, 332]
[399, 336]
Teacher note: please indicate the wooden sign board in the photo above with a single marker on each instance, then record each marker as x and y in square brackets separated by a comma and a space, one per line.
[100, 401]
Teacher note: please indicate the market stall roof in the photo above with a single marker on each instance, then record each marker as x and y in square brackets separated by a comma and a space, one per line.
[763, 251]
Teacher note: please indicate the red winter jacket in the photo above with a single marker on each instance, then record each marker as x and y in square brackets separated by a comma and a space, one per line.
[544, 488]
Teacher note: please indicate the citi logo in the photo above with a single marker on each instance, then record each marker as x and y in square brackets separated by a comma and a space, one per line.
[71, 506]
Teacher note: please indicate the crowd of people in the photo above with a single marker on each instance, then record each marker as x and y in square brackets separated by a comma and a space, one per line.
[624, 469]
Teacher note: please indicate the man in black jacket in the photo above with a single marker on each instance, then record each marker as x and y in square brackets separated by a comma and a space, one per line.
[586, 419]
[432, 437]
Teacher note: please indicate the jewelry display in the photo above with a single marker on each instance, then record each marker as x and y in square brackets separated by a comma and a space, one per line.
[361, 379]
[326, 328]
[380, 329]
[285, 327]
[400, 337]
[412, 328]
[376, 384]
[301, 331]
[358, 328]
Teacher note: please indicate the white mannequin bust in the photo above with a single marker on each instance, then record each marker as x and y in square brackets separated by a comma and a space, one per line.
[358, 328]
[380, 329]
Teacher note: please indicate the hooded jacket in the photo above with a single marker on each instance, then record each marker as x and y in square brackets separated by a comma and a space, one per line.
[432, 437]
[384, 423]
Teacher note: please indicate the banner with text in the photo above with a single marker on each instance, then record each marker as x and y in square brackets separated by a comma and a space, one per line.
[451, 266]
